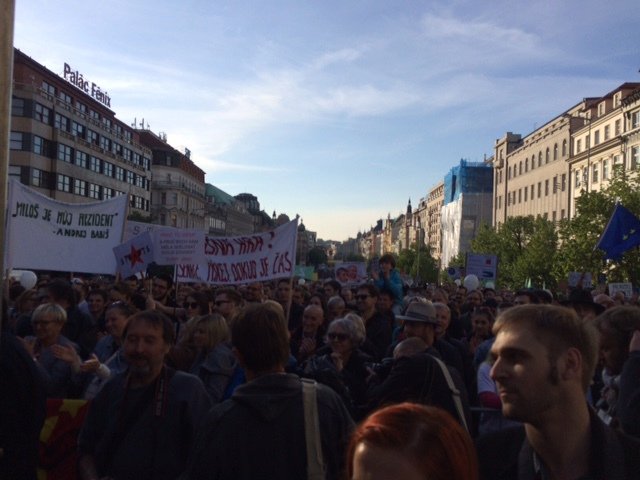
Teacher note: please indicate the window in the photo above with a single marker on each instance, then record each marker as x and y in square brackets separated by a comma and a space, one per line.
[539, 189]
[17, 141]
[587, 141]
[594, 173]
[607, 132]
[555, 151]
[617, 127]
[38, 145]
[64, 183]
[140, 181]
[42, 114]
[564, 148]
[131, 177]
[533, 162]
[564, 182]
[17, 107]
[577, 179]
[37, 178]
[61, 122]
[80, 187]
[539, 159]
[519, 195]
[93, 137]
[526, 165]
[94, 191]
[120, 174]
[635, 157]
[617, 161]
[526, 190]
[635, 119]
[532, 191]
[65, 98]
[107, 193]
[601, 109]
[65, 153]
[553, 216]
[146, 163]
[107, 169]
[546, 156]
[117, 149]
[93, 114]
[555, 184]
[48, 88]
[605, 169]
[509, 173]
[105, 144]
[562, 214]
[81, 159]
[95, 164]
[78, 130]
[81, 107]
[585, 176]
[596, 137]
[546, 188]
[578, 146]
[520, 168]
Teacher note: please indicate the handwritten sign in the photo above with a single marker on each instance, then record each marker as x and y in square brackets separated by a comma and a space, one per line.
[250, 258]
[44, 234]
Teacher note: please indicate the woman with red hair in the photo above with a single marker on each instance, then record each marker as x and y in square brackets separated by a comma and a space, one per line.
[412, 442]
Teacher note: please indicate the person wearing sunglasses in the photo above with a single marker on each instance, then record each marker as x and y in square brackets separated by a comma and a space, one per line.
[345, 368]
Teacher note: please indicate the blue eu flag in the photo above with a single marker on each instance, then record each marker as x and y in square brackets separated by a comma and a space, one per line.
[621, 234]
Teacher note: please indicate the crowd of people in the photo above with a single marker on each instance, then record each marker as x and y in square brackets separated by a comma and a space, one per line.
[295, 379]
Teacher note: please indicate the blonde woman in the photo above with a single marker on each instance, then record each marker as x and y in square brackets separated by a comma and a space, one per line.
[214, 363]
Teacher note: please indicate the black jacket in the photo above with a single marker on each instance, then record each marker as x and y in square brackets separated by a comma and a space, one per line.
[507, 455]
[259, 433]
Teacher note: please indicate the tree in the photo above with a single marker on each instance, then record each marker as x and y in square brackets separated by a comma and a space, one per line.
[525, 247]
[317, 256]
[419, 264]
[578, 237]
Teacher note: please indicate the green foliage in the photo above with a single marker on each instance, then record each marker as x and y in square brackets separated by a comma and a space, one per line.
[317, 256]
[525, 247]
[419, 264]
[579, 236]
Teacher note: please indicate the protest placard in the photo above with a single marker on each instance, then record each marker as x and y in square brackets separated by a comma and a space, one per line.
[249, 258]
[45, 234]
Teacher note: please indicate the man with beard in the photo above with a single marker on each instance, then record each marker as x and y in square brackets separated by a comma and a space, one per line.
[544, 358]
[142, 423]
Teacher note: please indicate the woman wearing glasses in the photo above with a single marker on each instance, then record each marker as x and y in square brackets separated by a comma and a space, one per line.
[345, 368]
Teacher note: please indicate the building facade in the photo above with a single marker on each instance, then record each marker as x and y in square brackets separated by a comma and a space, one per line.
[177, 197]
[435, 202]
[468, 195]
[67, 143]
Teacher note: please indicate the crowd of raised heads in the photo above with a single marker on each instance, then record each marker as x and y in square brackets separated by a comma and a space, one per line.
[419, 369]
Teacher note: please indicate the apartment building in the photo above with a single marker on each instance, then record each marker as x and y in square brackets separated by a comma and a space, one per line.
[67, 143]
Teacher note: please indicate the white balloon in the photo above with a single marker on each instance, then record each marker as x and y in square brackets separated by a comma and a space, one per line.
[28, 279]
[457, 281]
[471, 282]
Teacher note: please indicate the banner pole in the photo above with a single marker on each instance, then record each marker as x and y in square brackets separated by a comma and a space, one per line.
[7, 13]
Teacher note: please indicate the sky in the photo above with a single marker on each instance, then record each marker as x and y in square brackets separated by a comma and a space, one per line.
[337, 111]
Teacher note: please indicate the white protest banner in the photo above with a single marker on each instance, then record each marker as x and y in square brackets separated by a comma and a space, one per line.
[133, 229]
[44, 234]
[135, 255]
[251, 258]
[582, 279]
[624, 287]
[176, 246]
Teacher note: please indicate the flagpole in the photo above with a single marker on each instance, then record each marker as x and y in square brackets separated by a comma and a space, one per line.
[7, 12]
